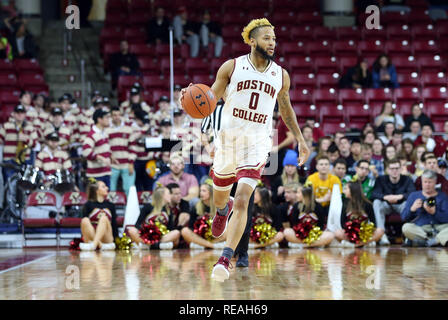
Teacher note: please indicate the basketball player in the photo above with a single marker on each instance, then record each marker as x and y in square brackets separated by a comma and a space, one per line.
[250, 86]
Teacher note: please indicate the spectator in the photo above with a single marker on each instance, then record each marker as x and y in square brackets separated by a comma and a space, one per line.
[366, 154]
[434, 144]
[417, 115]
[340, 169]
[307, 210]
[210, 31]
[443, 167]
[175, 104]
[179, 208]
[445, 131]
[56, 123]
[357, 206]
[415, 128]
[369, 138]
[166, 130]
[426, 214]
[407, 148]
[404, 166]
[122, 157]
[344, 151]
[289, 175]
[323, 181]
[5, 49]
[186, 31]
[337, 137]
[431, 163]
[158, 29]
[358, 76]
[123, 63]
[355, 149]
[332, 153]
[164, 109]
[135, 102]
[322, 148]
[187, 182]
[96, 148]
[390, 194]
[386, 115]
[417, 164]
[307, 133]
[317, 132]
[285, 142]
[362, 176]
[384, 74]
[286, 208]
[389, 153]
[21, 40]
[397, 138]
[368, 127]
[387, 136]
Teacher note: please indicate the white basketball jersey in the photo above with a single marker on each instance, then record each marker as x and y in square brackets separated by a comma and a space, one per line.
[250, 98]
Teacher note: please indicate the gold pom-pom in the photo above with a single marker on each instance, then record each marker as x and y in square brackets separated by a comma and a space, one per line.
[366, 231]
[314, 235]
[266, 232]
[255, 23]
[162, 228]
[123, 243]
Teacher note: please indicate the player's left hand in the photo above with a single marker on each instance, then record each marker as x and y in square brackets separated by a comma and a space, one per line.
[304, 153]
[182, 92]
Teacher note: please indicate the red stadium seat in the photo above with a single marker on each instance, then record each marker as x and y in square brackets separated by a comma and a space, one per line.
[424, 31]
[328, 80]
[374, 34]
[301, 96]
[117, 198]
[231, 32]
[303, 81]
[408, 79]
[7, 109]
[399, 32]
[325, 96]
[290, 49]
[309, 18]
[9, 96]
[407, 95]
[324, 33]
[374, 47]
[279, 17]
[126, 82]
[195, 66]
[300, 64]
[347, 62]
[430, 63]
[137, 5]
[357, 114]
[116, 19]
[330, 128]
[302, 32]
[394, 17]
[155, 82]
[433, 79]
[326, 64]
[238, 49]
[348, 33]
[148, 66]
[178, 66]
[319, 48]
[378, 96]
[71, 199]
[435, 95]
[216, 63]
[135, 34]
[144, 197]
[425, 47]
[442, 28]
[405, 64]
[8, 82]
[182, 80]
[204, 79]
[305, 112]
[33, 82]
[335, 114]
[142, 50]
[420, 16]
[156, 94]
[6, 67]
[351, 96]
[345, 48]
[396, 48]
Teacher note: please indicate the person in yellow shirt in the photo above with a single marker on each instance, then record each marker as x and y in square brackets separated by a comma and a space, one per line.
[323, 181]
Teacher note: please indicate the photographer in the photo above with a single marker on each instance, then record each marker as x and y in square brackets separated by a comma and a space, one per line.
[427, 213]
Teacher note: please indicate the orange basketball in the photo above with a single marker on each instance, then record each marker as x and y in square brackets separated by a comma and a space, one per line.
[199, 101]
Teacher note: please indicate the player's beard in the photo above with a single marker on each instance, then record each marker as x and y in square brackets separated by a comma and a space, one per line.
[264, 53]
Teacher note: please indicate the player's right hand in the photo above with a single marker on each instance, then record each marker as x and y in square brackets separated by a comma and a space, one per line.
[182, 92]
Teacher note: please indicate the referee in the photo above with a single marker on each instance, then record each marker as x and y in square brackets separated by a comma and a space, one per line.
[213, 122]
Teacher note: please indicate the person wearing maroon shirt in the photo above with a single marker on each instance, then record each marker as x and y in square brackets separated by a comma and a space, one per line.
[317, 132]
[434, 144]
[431, 163]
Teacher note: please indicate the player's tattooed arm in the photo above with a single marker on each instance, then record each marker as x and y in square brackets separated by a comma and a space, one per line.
[223, 78]
[290, 119]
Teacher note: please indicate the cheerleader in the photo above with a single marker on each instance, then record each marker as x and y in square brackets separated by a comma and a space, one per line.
[198, 233]
[308, 220]
[155, 217]
[357, 209]
[99, 224]
[266, 222]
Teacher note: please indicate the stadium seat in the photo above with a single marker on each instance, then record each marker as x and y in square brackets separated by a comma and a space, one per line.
[195, 66]
[348, 33]
[433, 79]
[290, 49]
[144, 197]
[6, 67]
[325, 96]
[164, 66]
[9, 96]
[238, 49]
[407, 96]
[430, 63]
[328, 80]
[396, 48]
[230, 32]
[425, 47]
[116, 19]
[72, 201]
[424, 31]
[204, 79]
[319, 48]
[302, 32]
[376, 97]
[156, 94]
[148, 66]
[118, 198]
[126, 82]
[31, 225]
[301, 96]
[399, 32]
[7, 109]
[33, 82]
[357, 114]
[300, 64]
[374, 34]
[442, 29]
[309, 18]
[333, 114]
[330, 128]
[352, 97]
[405, 64]
[135, 34]
[324, 33]
[142, 50]
[155, 82]
[182, 80]
[8, 82]
[27, 66]
[408, 79]
[345, 48]
[303, 81]
[420, 16]
[346, 63]
[394, 17]
[305, 112]
[372, 48]
[215, 64]
[437, 95]
[326, 64]
[279, 17]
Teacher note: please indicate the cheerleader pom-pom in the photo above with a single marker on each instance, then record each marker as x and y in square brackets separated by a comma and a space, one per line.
[123, 243]
[150, 233]
[352, 229]
[262, 233]
[313, 235]
[303, 229]
[366, 231]
[74, 244]
[162, 228]
[202, 227]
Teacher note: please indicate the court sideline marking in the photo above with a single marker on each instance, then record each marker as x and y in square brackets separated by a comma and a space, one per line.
[27, 263]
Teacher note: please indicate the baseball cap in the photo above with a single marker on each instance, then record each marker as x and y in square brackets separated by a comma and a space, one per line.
[20, 109]
[53, 136]
[135, 91]
[106, 100]
[177, 87]
[56, 111]
[142, 116]
[165, 122]
[177, 112]
[442, 163]
[97, 101]
[65, 96]
[99, 113]
[164, 98]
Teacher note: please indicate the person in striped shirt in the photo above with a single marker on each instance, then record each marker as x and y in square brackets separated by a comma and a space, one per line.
[119, 138]
[16, 134]
[56, 123]
[52, 157]
[96, 148]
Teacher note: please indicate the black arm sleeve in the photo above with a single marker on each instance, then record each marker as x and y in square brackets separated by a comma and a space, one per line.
[114, 220]
[369, 210]
[143, 213]
[193, 217]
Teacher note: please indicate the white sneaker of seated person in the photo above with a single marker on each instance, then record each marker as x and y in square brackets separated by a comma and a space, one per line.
[195, 246]
[274, 246]
[294, 245]
[87, 246]
[347, 244]
[371, 244]
[335, 244]
[384, 241]
[107, 246]
[166, 245]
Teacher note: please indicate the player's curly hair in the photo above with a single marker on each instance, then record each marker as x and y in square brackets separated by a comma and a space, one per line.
[254, 24]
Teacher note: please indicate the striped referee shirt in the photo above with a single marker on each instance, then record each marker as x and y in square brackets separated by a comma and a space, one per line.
[213, 121]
